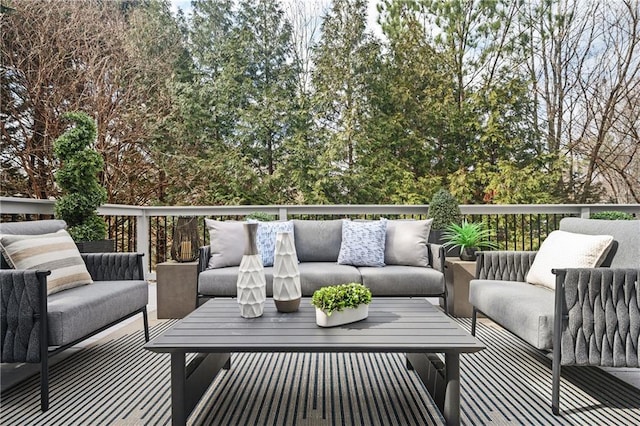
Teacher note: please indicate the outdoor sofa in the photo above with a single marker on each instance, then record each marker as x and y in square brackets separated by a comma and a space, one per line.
[37, 321]
[411, 266]
[593, 315]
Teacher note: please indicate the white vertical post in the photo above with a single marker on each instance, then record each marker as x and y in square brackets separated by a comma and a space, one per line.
[142, 240]
[585, 212]
[283, 213]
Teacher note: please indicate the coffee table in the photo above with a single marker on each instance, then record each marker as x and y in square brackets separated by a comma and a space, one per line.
[409, 325]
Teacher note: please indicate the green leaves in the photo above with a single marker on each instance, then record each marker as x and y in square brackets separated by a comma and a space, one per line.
[468, 235]
[77, 177]
[341, 296]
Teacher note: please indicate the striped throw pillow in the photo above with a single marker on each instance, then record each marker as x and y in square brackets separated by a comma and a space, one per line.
[47, 252]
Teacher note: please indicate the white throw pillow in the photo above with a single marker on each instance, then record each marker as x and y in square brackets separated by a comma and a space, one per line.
[567, 250]
[54, 252]
[363, 243]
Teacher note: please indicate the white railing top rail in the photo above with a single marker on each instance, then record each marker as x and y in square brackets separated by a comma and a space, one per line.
[14, 205]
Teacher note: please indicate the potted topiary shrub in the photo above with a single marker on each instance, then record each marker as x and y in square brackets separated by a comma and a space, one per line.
[341, 304]
[468, 237]
[82, 192]
[444, 210]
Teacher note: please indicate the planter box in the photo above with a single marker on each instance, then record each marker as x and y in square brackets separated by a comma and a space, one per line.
[345, 316]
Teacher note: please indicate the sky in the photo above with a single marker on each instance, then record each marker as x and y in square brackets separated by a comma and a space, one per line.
[372, 13]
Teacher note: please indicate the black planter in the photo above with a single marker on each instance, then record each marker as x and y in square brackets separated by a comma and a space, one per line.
[435, 237]
[468, 253]
[102, 246]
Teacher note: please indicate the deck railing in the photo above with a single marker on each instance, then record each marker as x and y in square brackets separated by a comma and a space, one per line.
[149, 229]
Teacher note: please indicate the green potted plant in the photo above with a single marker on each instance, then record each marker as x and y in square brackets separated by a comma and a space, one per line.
[444, 210]
[341, 304]
[468, 237]
[77, 177]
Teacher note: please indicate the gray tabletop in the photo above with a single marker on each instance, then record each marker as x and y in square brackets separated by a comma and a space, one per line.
[393, 325]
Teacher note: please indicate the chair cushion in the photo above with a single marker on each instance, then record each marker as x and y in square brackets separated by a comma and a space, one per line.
[54, 252]
[398, 280]
[625, 250]
[363, 243]
[227, 239]
[79, 311]
[524, 309]
[317, 240]
[567, 250]
[406, 242]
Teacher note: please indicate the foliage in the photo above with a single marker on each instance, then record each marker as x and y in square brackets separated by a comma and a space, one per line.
[77, 177]
[261, 216]
[612, 215]
[444, 209]
[341, 296]
[468, 235]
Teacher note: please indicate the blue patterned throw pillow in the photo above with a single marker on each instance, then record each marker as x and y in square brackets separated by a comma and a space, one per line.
[363, 243]
[266, 238]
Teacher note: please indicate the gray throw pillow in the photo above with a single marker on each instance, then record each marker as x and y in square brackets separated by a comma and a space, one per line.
[227, 243]
[406, 242]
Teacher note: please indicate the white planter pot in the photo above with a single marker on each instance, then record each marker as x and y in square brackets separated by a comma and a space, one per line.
[345, 316]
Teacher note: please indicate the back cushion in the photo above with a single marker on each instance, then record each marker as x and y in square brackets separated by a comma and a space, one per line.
[625, 250]
[317, 240]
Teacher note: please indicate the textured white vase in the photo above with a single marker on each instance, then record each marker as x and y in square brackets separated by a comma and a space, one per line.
[286, 276]
[252, 285]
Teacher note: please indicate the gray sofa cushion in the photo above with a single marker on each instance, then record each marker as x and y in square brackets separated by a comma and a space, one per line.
[397, 280]
[524, 309]
[79, 311]
[314, 275]
[625, 252]
[406, 242]
[222, 282]
[317, 240]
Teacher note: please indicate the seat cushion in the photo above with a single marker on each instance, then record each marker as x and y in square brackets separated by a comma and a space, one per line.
[79, 311]
[524, 309]
[222, 282]
[317, 240]
[314, 275]
[398, 280]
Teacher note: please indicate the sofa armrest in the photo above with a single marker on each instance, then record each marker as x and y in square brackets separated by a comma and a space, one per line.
[203, 259]
[23, 315]
[114, 266]
[504, 265]
[598, 308]
[437, 257]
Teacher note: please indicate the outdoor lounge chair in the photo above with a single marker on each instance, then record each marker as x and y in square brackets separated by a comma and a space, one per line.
[35, 325]
[592, 319]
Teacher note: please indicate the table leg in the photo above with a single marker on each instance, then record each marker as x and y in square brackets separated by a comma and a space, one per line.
[178, 389]
[451, 410]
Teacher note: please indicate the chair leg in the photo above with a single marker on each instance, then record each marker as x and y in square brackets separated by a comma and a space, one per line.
[446, 304]
[473, 321]
[145, 318]
[555, 371]
[44, 384]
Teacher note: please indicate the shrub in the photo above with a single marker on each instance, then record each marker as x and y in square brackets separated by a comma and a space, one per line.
[612, 215]
[82, 192]
[444, 209]
[339, 297]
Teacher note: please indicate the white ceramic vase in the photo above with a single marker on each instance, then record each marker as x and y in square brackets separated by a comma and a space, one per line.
[252, 285]
[286, 276]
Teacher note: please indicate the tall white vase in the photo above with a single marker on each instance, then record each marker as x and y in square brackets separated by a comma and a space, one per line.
[252, 285]
[286, 276]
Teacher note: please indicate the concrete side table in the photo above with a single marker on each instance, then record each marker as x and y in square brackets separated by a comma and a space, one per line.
[177, 288]
[458, 273]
